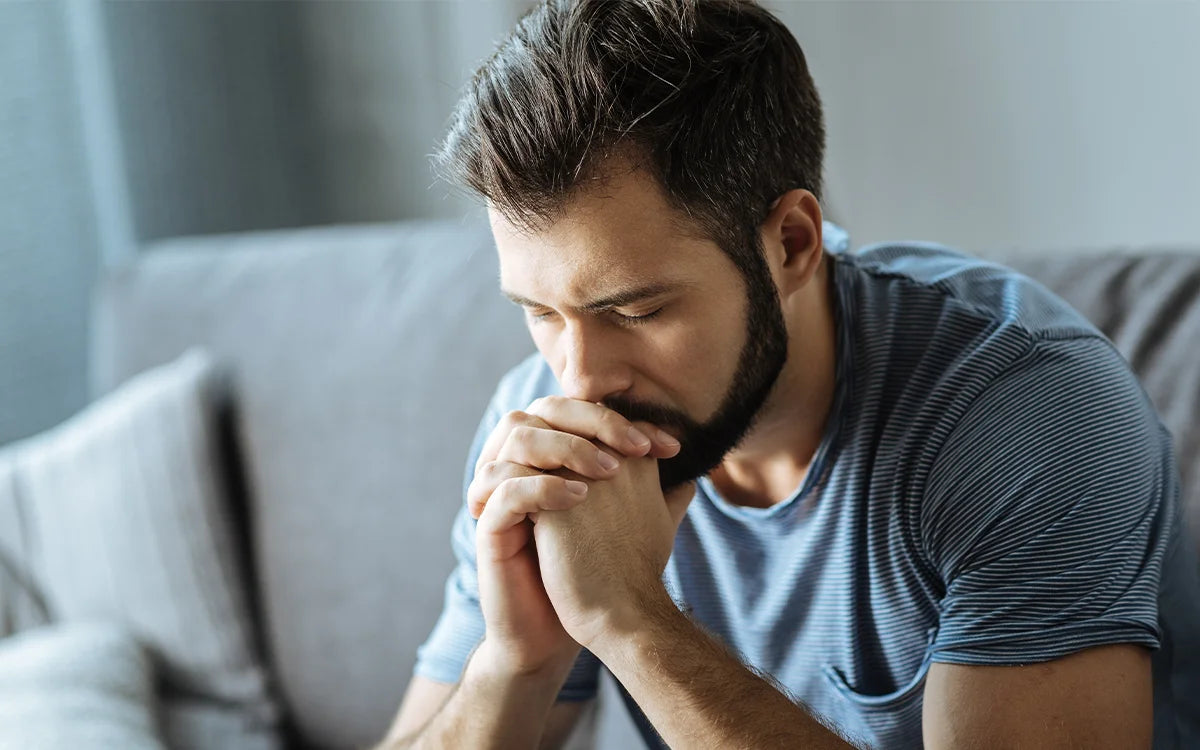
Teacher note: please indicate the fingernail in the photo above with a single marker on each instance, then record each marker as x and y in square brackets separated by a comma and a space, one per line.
[638, 438]
[576, 488]
[666, 438]
[607, 462]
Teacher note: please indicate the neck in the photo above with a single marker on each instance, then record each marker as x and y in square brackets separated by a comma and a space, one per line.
[773, 460]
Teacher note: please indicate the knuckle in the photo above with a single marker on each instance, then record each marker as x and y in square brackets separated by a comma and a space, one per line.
[522, 436]
[505, 492]
[581, 446]
[514, 418]
[488, 472]
[510, 446]
[475, 507]
[612, 419]
[475, 488]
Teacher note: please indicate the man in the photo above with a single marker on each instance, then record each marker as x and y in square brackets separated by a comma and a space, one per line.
[789, 496]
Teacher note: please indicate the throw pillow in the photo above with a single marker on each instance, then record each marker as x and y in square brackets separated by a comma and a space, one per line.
[20, 605]
[126, 520]
[74, 686]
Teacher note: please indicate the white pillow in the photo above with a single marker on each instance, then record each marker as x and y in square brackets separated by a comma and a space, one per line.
[20, 605]
[84, 685]
[125, 519]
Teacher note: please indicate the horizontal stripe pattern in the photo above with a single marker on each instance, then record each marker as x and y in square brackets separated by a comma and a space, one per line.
[993, 488]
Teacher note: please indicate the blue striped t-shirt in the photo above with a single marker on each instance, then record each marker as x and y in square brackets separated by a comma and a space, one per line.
[993, 487]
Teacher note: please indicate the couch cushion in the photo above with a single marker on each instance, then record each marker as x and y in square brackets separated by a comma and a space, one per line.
[82, 685]
[361, 360]
[124, 518]
[1148, 303]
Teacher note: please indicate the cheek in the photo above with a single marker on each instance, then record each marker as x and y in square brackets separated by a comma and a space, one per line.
[684, 346]
[693, 363]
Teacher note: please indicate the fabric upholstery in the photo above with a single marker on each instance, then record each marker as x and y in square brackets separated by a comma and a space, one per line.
[124, 519]
[361, 359]
[82, 685]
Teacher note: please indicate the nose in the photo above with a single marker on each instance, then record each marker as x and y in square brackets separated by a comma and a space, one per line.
[593, 366]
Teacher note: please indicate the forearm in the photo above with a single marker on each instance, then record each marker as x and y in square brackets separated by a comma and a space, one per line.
[492, 707]
[696, 693]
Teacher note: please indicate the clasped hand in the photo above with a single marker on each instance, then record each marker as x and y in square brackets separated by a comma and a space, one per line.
[573, 529]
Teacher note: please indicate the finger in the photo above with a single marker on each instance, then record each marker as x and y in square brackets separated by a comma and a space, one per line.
[516, 498]
[488, 477]
[665, 445]
[549, 449]
[595, 422]
[509, 422]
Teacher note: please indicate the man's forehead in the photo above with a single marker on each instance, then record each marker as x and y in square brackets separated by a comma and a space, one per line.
[602, 250]
[582, 218]
[586, 276]
[587, 255]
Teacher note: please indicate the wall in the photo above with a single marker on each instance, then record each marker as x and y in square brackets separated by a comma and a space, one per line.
[122, 122]
[1043, 125]
[385, 76]
[49, 249]
[1047, 125]
[980, 124]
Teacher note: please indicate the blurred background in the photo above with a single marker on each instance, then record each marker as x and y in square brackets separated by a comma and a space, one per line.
[1036, 125]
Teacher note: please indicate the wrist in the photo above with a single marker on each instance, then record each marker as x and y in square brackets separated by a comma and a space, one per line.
[641, 618]
[494, 706]
[494, 661]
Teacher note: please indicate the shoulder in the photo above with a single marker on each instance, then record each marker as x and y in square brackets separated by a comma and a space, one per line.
[903, 276]
[1064, 429]
[1060, 397]
[1060, 386]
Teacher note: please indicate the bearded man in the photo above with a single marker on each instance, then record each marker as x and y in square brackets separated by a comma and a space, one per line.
[789, 495]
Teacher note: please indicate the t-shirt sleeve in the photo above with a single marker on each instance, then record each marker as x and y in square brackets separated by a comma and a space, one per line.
[460, 627]
[1047, 511]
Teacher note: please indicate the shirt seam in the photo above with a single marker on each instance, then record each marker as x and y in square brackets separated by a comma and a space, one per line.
[1033, 348]
[945, 290]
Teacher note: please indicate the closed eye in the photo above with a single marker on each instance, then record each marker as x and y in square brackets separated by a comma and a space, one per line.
[620, 318]
[637, 319]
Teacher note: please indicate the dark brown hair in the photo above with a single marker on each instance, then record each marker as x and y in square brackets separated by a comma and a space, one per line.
[712, 97]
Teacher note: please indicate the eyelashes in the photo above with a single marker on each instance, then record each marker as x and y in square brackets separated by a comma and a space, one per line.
[638, 319]
[627, 320]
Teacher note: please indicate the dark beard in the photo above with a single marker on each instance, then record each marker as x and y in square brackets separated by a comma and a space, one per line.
[705, 444]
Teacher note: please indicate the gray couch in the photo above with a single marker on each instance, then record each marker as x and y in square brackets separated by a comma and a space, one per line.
[362, 358]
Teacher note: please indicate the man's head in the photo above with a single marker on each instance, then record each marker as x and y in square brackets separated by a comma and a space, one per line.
[630, 144]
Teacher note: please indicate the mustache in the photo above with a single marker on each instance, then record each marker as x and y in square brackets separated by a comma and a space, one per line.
[662, 416]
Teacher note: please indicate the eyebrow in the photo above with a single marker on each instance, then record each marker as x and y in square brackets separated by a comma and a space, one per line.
[620, 298]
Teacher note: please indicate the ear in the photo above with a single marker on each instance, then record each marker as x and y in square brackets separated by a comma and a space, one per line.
[792, 239]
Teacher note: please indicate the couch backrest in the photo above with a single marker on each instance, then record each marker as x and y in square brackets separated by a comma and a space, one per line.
[361, 359]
